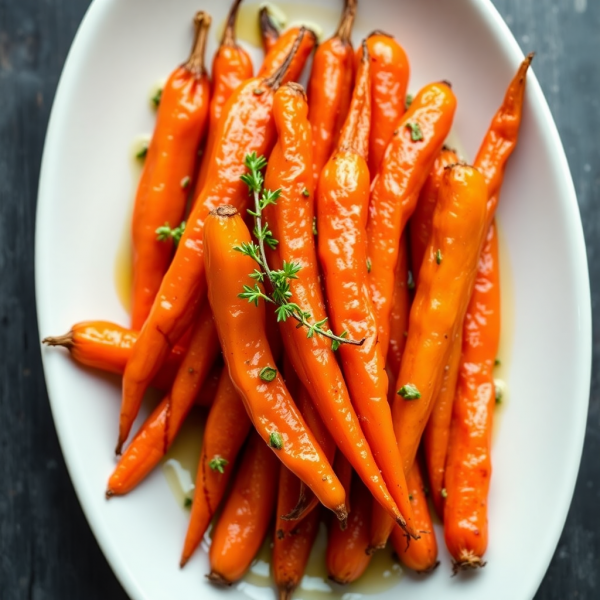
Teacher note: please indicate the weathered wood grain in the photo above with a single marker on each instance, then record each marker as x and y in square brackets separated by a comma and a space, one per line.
[47, 551]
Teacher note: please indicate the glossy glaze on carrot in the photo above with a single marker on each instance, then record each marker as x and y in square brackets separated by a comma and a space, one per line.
[281, 49]
[168, 171]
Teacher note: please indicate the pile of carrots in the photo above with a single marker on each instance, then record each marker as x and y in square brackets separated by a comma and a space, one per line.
[325, 280]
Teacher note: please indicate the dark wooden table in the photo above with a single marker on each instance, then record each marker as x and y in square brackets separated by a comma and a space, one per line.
[47, 550]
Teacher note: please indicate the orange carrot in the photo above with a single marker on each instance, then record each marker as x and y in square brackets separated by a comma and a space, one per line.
[281, 49]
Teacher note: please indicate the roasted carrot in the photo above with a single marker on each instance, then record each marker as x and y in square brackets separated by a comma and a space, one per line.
[246, 515]
[291, 552]
[281, 50]
[168, 170]
[162, 426]
[343, 469]
[342, 202]
[231, 67]
[246, 126]
[241, 329]
[330, 89]
[291, 221]
[226, 429]
[389, 77]
[470, 439]
[422, 218]
[420, 555]
[446, 281]
[269, 34]
[417, 140]
[346, 558]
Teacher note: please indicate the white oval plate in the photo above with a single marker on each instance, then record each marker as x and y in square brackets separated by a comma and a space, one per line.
[121, 49]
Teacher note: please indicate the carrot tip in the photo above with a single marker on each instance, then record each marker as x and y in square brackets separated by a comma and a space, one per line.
[285, 593]
[371, 549]
[214, 577]
[341, 512]
[59, 340]
[468, 560]
[433, 567]
[109, 494]
[338, 580]
[183, 561]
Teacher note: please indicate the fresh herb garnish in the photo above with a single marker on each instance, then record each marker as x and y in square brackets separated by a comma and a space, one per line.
[409, 391]
[165, 233]
[218, 463]
[416, 134]
[275, 440]
[268, 373]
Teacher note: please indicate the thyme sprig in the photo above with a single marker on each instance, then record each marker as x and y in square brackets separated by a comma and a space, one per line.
[279, 279]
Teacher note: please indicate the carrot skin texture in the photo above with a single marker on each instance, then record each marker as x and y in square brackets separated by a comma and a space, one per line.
[469, 467]
[330, 89]
[291, 220]
[226, 430]
[281, 49]
[230, 68]
[160, 429]
[446, 281]
[170, 161]
[241, 329]
[246, 126]
[396, 188]
[346, 558]
[342, 202]
[390, 71]
[420, 555]
[246, 515]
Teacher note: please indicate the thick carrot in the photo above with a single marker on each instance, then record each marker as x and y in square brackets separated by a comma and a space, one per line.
[446, 281]
[291, 552]
[422, 218]
[389, 78]
[420, 555]
[470, 439]
[346, 558]
[226, 429]
[241, 329]
[231, 67]
[330, 89]
[246, 126]
[417, 140]
[291, 221]
[168, 170]
[269, 34]
[342, 201]
[162, 426]
[281, 50]
[246, 514]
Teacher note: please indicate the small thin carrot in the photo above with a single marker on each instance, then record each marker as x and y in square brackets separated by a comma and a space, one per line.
[420, 555]
[416, 142]
[390, 71]
[281, 50]
[291, 220]
[230, 68]
[343, 469]
[246, 126]
[346, 558]
[227, 427]
[246, 515]
[160, 429]
[269, 34]
[330, 89]
[342, 202]
[241, 329]
[168, 170]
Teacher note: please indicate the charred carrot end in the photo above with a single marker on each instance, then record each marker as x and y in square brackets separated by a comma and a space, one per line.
[195, 63]
[228, 38]
[344, 30]
[467, 562]
[268, 31]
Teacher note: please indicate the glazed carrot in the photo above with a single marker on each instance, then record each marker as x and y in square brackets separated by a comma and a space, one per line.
[470, 439]
[389, 77]
[269, 34]
[468, 467]
[330, 89]
[241, 329]
[160, 429]
[226, 429]
[246, 515]
[231, 67]
[291, 221]
[305, 500]
[446, 281]
[343, 469]
[246, 126]
[342, 202]
[418, 138]
[346, 558]
[168, 168]
[401, 300]
[420, 555]
[281, 50]
[291, 552]
[422, 218]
